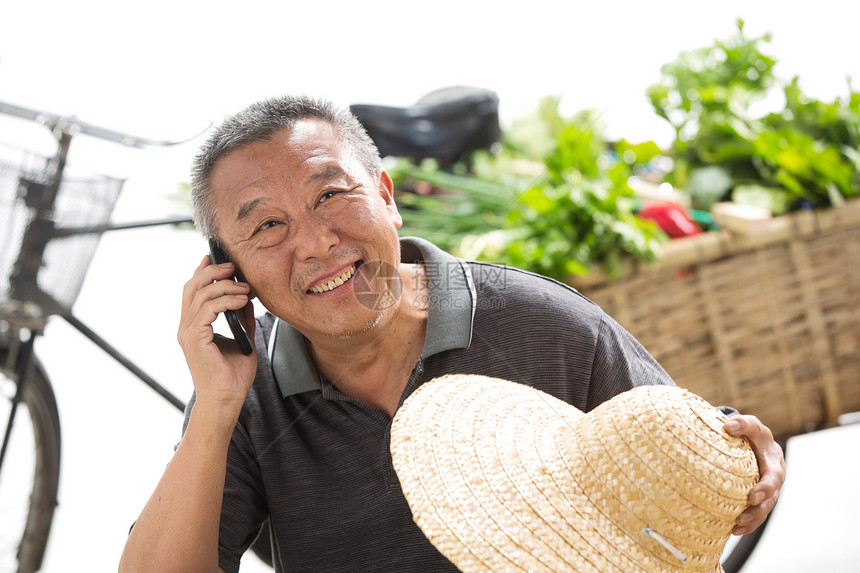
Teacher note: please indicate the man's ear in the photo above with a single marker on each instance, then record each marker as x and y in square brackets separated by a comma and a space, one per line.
[386, 191]
[240, 277]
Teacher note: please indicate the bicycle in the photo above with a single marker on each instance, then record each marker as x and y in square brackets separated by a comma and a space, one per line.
[53, 223]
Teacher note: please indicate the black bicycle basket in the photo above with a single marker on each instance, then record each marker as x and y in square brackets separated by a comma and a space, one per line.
[49, 233]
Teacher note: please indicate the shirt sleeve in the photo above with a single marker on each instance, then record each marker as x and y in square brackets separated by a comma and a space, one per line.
[243, 509]
[620, 363]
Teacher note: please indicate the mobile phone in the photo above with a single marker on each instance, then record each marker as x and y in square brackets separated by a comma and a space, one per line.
[218, 255]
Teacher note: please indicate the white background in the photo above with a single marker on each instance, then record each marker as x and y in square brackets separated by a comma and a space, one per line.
[167, 69]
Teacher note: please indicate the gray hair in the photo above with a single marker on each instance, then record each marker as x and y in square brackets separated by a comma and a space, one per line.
[259, 122]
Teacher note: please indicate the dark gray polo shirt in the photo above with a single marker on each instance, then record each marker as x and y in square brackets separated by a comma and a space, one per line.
[317, 463]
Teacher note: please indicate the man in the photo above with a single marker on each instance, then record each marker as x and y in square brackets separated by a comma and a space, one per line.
[297, 432]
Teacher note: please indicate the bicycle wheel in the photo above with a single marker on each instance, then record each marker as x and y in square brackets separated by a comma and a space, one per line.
[31, 470]
[740, 549]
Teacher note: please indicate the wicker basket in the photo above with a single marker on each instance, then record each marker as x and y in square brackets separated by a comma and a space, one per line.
[43, 259]
[768, 323]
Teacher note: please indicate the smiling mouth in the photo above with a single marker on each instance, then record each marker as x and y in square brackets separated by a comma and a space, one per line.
[334, 283]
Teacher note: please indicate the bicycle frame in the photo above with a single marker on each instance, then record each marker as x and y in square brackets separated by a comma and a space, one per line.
[37, 237]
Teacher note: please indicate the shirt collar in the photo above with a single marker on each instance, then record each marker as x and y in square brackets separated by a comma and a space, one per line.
[452, 301]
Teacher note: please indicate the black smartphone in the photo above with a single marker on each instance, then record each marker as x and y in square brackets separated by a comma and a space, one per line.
[217, 255]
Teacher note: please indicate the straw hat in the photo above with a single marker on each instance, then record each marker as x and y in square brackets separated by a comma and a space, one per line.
[503, 477]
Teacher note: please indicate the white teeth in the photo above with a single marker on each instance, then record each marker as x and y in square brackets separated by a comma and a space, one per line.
[332, 284]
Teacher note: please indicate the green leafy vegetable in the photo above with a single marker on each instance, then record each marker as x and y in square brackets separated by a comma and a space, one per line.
[807, 151]
[554, 200]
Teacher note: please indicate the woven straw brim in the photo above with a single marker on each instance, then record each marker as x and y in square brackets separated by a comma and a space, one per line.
[502, 477]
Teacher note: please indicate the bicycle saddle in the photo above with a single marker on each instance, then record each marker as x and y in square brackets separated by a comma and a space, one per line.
[444, 124]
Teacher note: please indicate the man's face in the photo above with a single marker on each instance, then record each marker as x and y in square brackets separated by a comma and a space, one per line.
[300, 215]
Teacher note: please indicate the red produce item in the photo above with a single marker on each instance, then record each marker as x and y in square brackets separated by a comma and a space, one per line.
[671, 218]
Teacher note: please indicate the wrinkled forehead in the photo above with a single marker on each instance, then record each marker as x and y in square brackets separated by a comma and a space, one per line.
[306, 156]
[311, 140]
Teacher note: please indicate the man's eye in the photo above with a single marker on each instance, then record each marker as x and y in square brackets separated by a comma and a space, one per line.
[267, 225]
[328, 195]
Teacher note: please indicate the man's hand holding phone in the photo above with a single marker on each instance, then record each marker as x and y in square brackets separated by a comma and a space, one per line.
[222, 372]
[178, 528]
[218, 256]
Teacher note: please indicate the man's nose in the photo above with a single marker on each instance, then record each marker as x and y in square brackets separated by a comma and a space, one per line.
[315, 238]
